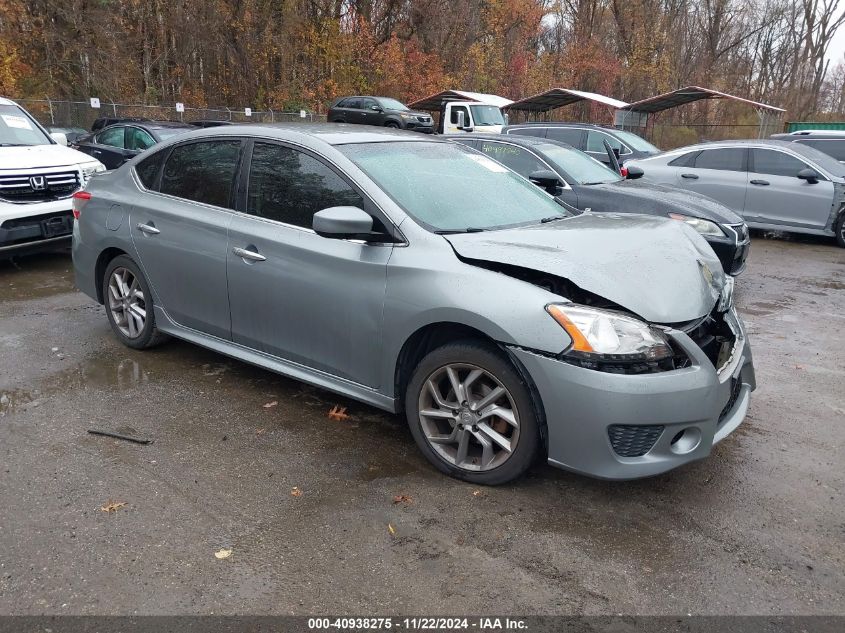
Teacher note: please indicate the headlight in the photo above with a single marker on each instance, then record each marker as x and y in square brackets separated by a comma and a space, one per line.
[705, 227]
[89, 169]
[407, 116]
[605, 335]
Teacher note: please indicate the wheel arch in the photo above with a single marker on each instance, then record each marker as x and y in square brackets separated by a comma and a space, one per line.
[103, 260]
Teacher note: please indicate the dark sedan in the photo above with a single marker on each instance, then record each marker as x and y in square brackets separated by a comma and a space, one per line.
[587, 184]
[115, 144]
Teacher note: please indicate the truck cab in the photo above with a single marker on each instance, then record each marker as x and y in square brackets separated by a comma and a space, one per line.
[460, 111]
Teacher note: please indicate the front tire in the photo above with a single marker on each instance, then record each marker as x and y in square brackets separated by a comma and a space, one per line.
[472, 415]
[129, 304]
[392, 124]
[839, 228]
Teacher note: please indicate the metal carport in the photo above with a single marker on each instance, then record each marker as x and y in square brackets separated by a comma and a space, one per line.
[555, 98]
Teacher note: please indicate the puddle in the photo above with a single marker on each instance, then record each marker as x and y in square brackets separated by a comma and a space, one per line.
[36, 276]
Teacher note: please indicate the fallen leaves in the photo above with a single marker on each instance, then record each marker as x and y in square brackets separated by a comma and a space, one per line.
[222, 553]
[271, 404]
[479, 493]
[112, 506]
[295, 492]
[261, 431]
[338, 413]
[402, 499]
[391, 529]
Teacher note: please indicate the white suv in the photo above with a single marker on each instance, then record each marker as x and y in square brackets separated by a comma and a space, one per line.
[38, 176]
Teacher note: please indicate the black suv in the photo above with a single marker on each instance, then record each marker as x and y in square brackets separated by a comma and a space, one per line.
[382, 111]
[830, 142]
[589, 138]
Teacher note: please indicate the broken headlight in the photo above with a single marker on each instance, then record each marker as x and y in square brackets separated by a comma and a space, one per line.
[604, 335]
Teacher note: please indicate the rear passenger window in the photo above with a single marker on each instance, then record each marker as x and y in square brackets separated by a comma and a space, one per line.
[729, 159]
[571, 136]
[516, 158]
[776, 163]
[202, 172]
[149, 169]
[289, 186]
[685, 160]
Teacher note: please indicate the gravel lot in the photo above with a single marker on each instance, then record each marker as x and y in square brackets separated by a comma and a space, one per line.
[758, 528]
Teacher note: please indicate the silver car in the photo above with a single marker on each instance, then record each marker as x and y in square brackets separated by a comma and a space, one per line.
[418, 275]
[771, 184]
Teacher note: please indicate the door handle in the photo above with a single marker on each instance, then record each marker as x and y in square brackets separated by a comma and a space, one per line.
[251, 255]
[689, 176]
[760, 182]
[149, 229]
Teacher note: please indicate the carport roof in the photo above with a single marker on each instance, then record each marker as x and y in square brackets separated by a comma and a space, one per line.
[435, 101]
[689, 94]
[559, 97]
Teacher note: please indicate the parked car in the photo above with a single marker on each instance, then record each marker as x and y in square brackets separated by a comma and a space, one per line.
[418, 275]
[38, 176]
[105, 121]
[585, 183]
[381, 111]
[830, 142]
[71, 133]
[590, 139]
[116, 144]
[771, 184]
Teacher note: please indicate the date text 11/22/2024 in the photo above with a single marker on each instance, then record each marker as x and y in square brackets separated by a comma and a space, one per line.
[417, 624]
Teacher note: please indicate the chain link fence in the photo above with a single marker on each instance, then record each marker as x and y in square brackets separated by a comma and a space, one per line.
[81, 114]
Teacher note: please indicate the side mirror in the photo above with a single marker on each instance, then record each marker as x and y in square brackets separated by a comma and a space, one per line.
[546, 179]
[342, 223]
[59, 137]
[810, 175]
[462, 123]
[634, 172]
[376, 108]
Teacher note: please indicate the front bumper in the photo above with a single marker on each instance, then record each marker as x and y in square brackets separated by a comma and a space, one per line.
[733, 250]
[680, 413]
[30, 227]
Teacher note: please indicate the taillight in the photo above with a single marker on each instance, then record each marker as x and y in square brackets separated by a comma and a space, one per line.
[79, 200]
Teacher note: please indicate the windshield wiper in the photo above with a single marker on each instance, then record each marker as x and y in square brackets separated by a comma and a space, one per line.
[469, 229]
[553, 218]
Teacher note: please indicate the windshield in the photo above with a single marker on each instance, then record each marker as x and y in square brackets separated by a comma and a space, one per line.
[18, 128]
[486, 115]
[582, 169]
[448, 187]
[636, 142]
[391, 104]
[825, 161]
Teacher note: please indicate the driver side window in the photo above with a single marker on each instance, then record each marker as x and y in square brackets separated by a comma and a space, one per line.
[138, 139]
[453, 117]
[113, 137]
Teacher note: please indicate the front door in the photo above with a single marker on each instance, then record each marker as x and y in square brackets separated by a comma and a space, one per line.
[311, 300]
[180, 232]
[777, 196]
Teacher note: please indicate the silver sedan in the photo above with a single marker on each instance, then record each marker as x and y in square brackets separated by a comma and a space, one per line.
[771, 184]
[422, 277]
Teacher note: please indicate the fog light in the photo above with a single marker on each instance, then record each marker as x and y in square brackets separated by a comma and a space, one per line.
[685, 441]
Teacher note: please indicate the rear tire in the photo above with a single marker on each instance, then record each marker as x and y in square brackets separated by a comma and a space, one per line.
[129, 304]
[839, 228]
[487, 431]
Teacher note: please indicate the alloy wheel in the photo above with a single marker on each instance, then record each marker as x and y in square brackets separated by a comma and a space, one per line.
[468, 417]
[127, 303]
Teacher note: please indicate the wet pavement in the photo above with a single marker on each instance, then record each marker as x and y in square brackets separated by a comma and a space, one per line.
[758, 528]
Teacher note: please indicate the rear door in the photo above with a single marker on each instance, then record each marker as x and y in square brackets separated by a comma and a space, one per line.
[777, 196]
[109, 146]
[179, 229]
[720, 173]
[311, 300]
[352, 110]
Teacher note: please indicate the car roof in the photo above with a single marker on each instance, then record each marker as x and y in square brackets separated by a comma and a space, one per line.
[561, 124]
[811, 134]
[331, 133]
[750, 142]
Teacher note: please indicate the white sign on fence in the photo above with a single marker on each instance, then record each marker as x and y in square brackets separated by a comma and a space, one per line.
[95, 102]
[247, 111]
[180, 107]
[302, 114]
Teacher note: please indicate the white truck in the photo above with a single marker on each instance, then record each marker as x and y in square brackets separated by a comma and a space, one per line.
[38, 176]
[458, 111]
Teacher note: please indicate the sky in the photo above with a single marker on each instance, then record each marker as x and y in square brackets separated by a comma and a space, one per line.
[836, 52]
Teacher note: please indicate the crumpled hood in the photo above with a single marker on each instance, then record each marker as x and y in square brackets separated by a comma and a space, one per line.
[658, 199]
[659, 269]
[35, 156]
